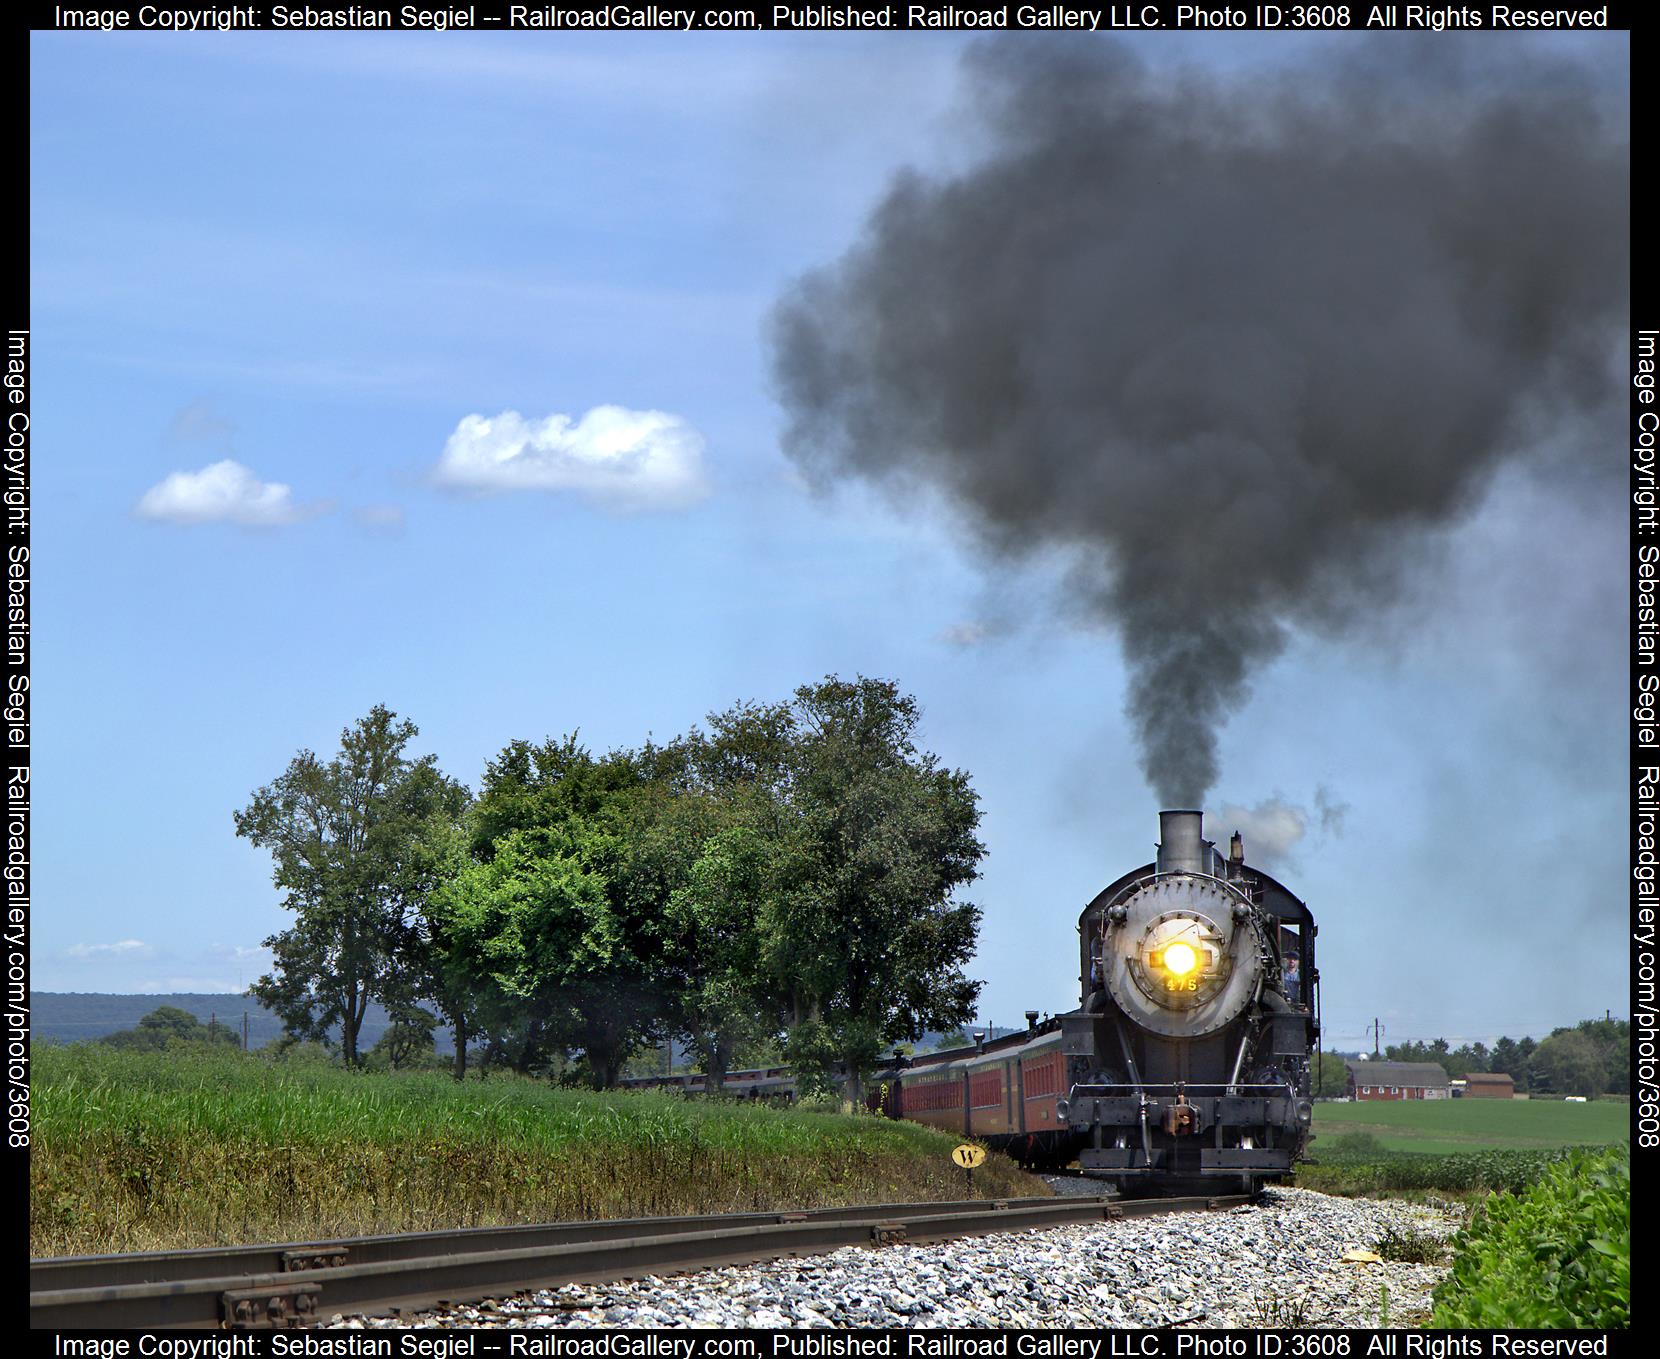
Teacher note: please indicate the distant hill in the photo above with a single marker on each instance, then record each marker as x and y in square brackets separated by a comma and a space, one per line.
[74, 1016]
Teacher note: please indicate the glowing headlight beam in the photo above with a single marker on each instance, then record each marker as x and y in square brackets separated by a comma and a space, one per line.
[1180, 959]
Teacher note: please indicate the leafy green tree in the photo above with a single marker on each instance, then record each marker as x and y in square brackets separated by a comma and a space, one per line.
[1510, 1058]
[792, 870]
[724, 1001]
[534, 923]
[1569, 1062]
[1471, 1057]
[1329, 1075]
[408, 1038]
[622, 822]
[356, 843]
[169, 1021]
[1613, 1040]
[535, 787]
[862, 933]
[167, 1025]
[563, 925]
[462, 992]
[853, 842]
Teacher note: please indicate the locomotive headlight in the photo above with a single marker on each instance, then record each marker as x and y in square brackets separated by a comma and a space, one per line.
[1180, 961]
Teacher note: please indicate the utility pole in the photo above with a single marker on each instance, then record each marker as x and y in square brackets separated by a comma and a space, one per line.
[1377, 1037]
[244, 1031]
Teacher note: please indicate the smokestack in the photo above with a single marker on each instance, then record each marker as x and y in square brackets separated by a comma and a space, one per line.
[1181, 846]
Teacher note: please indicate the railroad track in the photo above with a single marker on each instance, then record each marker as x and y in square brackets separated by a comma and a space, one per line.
[299, 1283]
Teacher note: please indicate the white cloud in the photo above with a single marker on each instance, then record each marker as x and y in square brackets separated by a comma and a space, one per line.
[626, 460]
[126, 948]
[222, 492]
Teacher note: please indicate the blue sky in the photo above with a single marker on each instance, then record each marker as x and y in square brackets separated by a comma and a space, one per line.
[316, 256]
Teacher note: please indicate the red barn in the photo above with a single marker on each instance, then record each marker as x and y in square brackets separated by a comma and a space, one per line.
[1398, 1080]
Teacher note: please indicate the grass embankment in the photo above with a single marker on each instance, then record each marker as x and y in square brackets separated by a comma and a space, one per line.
[138, 1151]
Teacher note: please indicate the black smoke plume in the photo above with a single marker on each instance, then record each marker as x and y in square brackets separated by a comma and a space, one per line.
[1239, 347]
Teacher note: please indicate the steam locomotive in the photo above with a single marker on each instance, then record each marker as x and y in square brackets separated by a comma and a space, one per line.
[1186, 1065]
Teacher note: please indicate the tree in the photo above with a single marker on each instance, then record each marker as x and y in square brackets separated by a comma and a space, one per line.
[1613, 1040]
[1510, 1058]
[532, 921]
[725, 1001]
[356, 843]
[407, 1037]
[861, 932]
[792, 870]
[452, 980]
[1471, 1057]
[1329, 1075]
[1570, 1063]
[626, 837]
[167, 1025]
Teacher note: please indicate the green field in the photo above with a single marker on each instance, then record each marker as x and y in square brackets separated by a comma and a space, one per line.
[151, 1151]
[1472, 1124]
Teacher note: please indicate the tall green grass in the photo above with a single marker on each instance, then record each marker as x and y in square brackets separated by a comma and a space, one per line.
[142, 1151]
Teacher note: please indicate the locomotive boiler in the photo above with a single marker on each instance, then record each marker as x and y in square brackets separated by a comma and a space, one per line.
[1185, 1065]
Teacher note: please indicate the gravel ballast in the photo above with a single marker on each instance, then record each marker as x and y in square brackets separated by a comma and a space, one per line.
[1278, 1262]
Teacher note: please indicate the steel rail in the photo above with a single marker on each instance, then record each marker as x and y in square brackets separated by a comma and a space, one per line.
[259, 1286]
[56, 1273]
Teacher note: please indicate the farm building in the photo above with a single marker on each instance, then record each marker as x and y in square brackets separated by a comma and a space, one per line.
[1398, 1080]
[1489, 1085]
